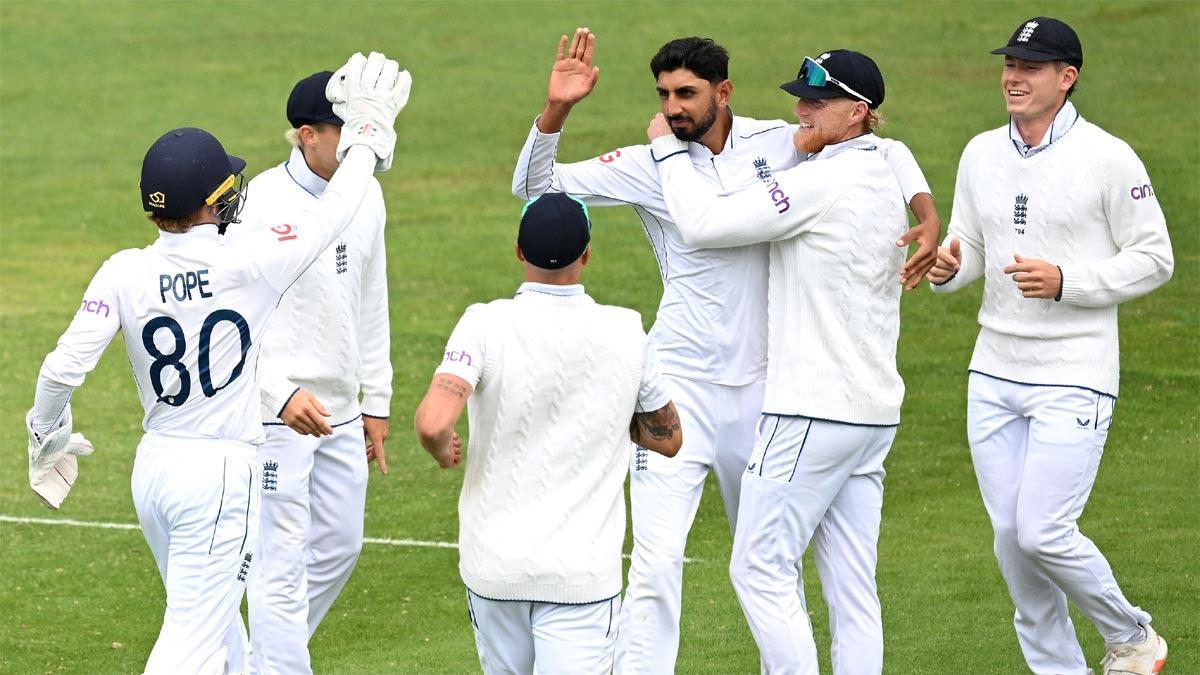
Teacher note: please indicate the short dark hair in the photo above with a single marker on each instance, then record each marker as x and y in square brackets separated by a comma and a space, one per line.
[702, 56]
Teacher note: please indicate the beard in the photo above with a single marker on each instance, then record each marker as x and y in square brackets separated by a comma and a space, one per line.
[813, 142]
[698, 128]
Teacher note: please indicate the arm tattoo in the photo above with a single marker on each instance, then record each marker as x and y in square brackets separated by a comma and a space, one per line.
[660, 424]
[450, 387]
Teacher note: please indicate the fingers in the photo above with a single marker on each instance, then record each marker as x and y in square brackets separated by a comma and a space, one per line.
[562, 45]
[378, 453]
[589, 48]
[372, 69]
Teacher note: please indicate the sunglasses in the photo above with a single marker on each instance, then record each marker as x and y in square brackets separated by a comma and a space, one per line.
[815, 75]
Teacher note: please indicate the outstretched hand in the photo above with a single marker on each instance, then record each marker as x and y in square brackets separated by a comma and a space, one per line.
[571, 80]
[573, 76]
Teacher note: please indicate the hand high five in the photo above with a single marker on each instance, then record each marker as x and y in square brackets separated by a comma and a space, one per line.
[571, 80]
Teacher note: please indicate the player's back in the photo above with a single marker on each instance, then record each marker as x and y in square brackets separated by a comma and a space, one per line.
[193, 308]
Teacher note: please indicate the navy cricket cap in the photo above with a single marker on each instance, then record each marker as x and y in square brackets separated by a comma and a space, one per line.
[1044, 39]
[184, 170]
[555, 231]
[307, 103]
[847, 74]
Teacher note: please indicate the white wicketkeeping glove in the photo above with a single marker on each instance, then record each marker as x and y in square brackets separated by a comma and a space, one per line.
[52, 465]
[368, 93]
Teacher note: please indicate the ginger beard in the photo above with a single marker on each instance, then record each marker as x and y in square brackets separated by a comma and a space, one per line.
[824, 122]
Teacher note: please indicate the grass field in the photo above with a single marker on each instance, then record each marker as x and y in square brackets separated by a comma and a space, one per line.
[85, 87]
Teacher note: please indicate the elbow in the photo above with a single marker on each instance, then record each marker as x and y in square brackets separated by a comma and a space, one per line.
[430, 431]
[672, 446]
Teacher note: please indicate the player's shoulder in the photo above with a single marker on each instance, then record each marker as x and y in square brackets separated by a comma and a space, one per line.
[1100, 142]
[750, 128]
[274, 175]
[619, 316]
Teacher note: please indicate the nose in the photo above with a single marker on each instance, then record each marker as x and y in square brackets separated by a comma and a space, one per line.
[671, 106]
[803, 107]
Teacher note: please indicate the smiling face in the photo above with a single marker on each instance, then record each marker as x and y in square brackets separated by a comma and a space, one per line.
[1035, 90]
[690, 103]
[825, 121]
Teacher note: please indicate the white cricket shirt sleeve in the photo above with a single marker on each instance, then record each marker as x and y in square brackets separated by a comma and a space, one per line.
[616, 178]
[464, 356]
[283, 251]
[965, 225]
[1139, 230]
[79, 348]
[652, 394]
[793, 203]
[904, 166]
[374, 330]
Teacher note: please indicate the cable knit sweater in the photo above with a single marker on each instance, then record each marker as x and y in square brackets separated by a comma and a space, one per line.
[1083, 203]
[330, 332]
[557, 379]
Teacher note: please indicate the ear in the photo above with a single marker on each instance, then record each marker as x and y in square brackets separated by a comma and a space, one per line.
[308, 134]
[517, 250]
[858, 112]
[1067, 78]
[724, 91]
[587, 253]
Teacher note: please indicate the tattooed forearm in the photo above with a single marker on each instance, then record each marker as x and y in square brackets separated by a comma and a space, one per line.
[660, 425]
[450, 387]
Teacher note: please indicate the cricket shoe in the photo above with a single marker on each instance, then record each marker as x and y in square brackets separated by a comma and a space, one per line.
[1142, 658]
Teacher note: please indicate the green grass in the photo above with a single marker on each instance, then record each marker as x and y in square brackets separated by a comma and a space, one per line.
[85, 87]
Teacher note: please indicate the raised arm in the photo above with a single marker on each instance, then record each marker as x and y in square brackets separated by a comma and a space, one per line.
[571, 79]
[375, 91]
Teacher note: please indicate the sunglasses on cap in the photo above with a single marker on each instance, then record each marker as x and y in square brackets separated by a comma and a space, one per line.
[815, 75]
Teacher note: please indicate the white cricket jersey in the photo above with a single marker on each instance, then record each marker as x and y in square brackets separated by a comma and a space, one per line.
[1082, 202]
[193, 308]
[712, 322]
[330, 333]
[556, 380]
[834, 303]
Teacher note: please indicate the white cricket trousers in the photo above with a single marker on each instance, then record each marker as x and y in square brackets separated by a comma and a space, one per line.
[314, 494]
[718, 423]
[197, 504]
[516, 637]
[1036, 450]
[819, 481]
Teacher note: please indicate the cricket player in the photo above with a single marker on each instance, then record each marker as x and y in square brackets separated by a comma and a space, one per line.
[711, 326]
[193, 309]
[327, 342]
[1060, 219]
[833, 392]
[557, 386]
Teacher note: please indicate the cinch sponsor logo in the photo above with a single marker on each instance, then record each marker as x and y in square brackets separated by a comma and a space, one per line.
[458, 356]
[1141, 191]
[780, 198]
[94, 307]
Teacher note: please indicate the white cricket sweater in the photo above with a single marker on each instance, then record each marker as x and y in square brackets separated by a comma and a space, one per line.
[330, 333]
[833, 309]
[1083, 203]
[542, 510]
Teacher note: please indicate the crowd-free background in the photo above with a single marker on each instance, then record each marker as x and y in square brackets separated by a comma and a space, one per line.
[85, 87]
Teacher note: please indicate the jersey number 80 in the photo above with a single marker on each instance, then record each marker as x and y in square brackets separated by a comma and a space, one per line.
[174, 359]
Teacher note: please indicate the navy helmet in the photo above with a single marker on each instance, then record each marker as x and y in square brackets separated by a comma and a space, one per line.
[186, 169]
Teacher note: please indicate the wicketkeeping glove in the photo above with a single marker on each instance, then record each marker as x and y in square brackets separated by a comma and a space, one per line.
[52, 464]
[368, 93]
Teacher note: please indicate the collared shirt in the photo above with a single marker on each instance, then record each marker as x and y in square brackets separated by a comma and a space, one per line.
[297, 168]
[550, 289]
[1063, 121]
